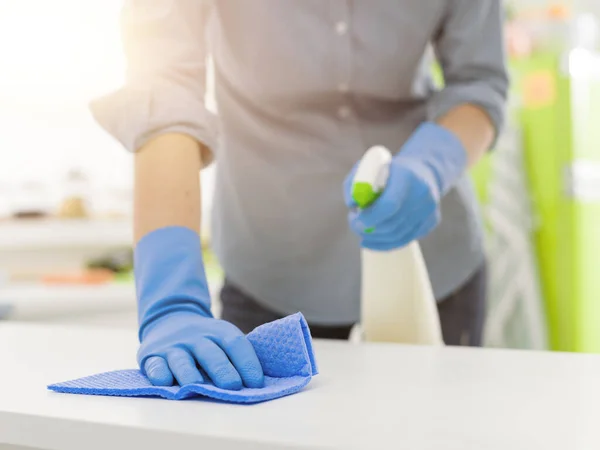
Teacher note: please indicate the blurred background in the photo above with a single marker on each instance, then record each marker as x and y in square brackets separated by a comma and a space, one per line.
[66, 186]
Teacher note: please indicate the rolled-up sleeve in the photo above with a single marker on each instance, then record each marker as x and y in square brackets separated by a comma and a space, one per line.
[470, 50]
[165, 49]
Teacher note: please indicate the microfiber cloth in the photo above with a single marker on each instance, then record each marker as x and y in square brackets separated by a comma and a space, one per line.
[284, 348]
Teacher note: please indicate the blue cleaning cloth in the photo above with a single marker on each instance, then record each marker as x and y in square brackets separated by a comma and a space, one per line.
[284, 348]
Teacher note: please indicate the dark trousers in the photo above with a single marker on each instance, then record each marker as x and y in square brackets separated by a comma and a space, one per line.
[462, 313]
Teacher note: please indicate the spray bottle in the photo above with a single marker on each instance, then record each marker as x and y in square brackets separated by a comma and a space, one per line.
[397, 301]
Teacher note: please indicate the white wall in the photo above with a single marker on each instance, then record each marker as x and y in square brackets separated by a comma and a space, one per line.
[56, 55]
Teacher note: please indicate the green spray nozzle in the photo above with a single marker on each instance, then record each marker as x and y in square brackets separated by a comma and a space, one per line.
[371, 177]
[364, 194]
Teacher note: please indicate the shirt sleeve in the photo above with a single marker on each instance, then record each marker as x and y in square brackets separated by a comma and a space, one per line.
[470, 50]
[165, 50]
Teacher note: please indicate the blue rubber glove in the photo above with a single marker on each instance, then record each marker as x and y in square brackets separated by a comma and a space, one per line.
[179, 338]
[427, 166]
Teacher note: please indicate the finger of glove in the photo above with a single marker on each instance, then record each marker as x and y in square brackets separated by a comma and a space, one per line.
[158, 372]
[393, 226]
[216, 364]
[183, 367]
[244, 359]
[355, 225]
[402, 237]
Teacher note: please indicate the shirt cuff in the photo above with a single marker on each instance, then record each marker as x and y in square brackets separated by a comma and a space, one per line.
[479, 94]
[135, 115]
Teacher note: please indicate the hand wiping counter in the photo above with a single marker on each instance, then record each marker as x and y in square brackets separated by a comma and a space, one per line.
[283, 347]
[184, 350]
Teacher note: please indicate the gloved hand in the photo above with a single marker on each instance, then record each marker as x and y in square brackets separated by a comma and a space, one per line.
[178, 334]
[426, 167]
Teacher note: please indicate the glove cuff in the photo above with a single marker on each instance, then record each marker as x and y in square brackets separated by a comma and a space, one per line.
[169, 275]
[441, 150]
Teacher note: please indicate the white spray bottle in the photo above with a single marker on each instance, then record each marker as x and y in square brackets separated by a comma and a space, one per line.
[397, 301]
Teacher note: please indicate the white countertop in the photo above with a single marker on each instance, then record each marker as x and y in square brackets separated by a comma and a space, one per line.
[367, 396]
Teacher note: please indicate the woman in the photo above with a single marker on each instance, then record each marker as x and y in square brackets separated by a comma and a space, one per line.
[303, 88]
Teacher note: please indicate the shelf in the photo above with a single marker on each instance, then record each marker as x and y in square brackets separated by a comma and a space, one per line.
[51, 234]
[23, 302]
[36, 300]
[60, 234]
[37, 293]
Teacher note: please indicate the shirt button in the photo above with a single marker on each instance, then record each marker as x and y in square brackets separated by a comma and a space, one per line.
[344, 112]
[343, 87]
[341, 28]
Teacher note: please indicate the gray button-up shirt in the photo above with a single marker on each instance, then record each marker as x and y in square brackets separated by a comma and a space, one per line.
[303, 88]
